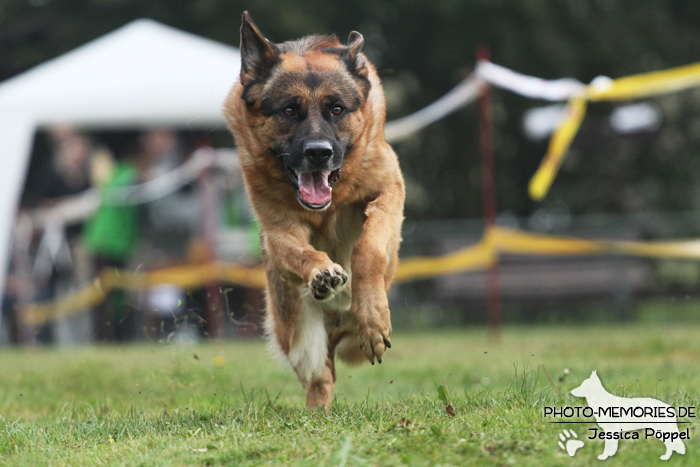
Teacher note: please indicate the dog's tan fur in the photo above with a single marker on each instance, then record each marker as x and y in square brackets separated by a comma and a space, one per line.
[358, 234]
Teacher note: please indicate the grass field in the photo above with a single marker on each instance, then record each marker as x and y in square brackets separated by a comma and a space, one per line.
[231, 404]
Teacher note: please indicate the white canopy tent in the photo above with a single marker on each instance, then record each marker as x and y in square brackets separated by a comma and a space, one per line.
[143, 74]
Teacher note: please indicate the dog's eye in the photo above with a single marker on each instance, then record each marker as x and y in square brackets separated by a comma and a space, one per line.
[337, 110]
[289, 111]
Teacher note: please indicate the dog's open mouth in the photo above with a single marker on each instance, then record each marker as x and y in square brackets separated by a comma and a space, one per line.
[313, 188]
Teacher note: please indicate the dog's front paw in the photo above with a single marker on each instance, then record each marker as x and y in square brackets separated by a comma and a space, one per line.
[328, 281]
[373, 337]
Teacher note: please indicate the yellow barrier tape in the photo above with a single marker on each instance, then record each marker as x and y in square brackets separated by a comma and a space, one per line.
[186, 277]
[647, 84]
[558, 145]
[472, 258]
[480, 256]
[518, 242]
[678, 250]
[630, 87]
[72, 304]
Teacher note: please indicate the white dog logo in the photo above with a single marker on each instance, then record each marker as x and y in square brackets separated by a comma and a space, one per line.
[616, 415]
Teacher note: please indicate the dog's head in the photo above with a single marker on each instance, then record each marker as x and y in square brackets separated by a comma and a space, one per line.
[589, 387]
[305, 98]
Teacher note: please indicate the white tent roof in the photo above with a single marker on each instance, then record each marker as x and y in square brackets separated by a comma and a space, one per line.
[143, 74]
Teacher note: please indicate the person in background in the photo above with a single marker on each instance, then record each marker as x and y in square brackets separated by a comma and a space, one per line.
[59, 262]
[68, 172]
[111, 235]
[171, 222]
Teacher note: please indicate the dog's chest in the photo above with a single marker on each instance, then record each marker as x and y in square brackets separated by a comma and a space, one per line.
[338, 235]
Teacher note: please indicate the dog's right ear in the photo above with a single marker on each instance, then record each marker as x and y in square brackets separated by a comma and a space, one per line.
[257, 53]
[356, 63]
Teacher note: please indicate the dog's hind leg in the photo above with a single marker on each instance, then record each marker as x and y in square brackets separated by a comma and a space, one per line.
[308, 351]
[282, 307]
[296, 330]
[319, 392]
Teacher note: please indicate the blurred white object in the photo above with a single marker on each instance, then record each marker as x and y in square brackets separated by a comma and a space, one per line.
[540, 122]
[529, 86]
[635, 118]
[165, 300]
[602, 83]
[173, 180]
[460, 96]
[186, 334]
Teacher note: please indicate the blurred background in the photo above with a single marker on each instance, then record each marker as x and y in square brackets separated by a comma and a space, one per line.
[144, 192]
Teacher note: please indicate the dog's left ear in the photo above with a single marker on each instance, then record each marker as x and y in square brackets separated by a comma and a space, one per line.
[257, 53]
[355, 61]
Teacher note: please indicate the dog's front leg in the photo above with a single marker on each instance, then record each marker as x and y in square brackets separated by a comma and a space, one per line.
[374, 261]
[303, 336]
[299, 263]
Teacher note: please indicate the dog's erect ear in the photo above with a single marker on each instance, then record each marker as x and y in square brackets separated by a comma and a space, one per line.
[355, 42]
[257, 53]
[356, 63]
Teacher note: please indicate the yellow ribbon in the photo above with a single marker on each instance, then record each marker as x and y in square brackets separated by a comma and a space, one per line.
[477, 257]
[558, 145]
[630, 87]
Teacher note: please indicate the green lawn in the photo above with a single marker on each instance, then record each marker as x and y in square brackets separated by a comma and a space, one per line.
[231, 404]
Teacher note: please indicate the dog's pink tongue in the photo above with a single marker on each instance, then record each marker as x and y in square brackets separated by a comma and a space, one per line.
[314, 188]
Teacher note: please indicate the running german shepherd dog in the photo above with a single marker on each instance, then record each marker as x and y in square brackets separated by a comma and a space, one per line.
[308, 117]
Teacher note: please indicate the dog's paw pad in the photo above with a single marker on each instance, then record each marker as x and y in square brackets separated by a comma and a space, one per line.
[569, 443]
[327, 282]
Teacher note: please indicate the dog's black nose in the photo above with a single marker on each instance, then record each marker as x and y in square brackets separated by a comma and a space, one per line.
[318, 151]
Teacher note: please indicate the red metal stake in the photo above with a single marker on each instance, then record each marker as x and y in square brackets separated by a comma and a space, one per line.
[493, 289]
